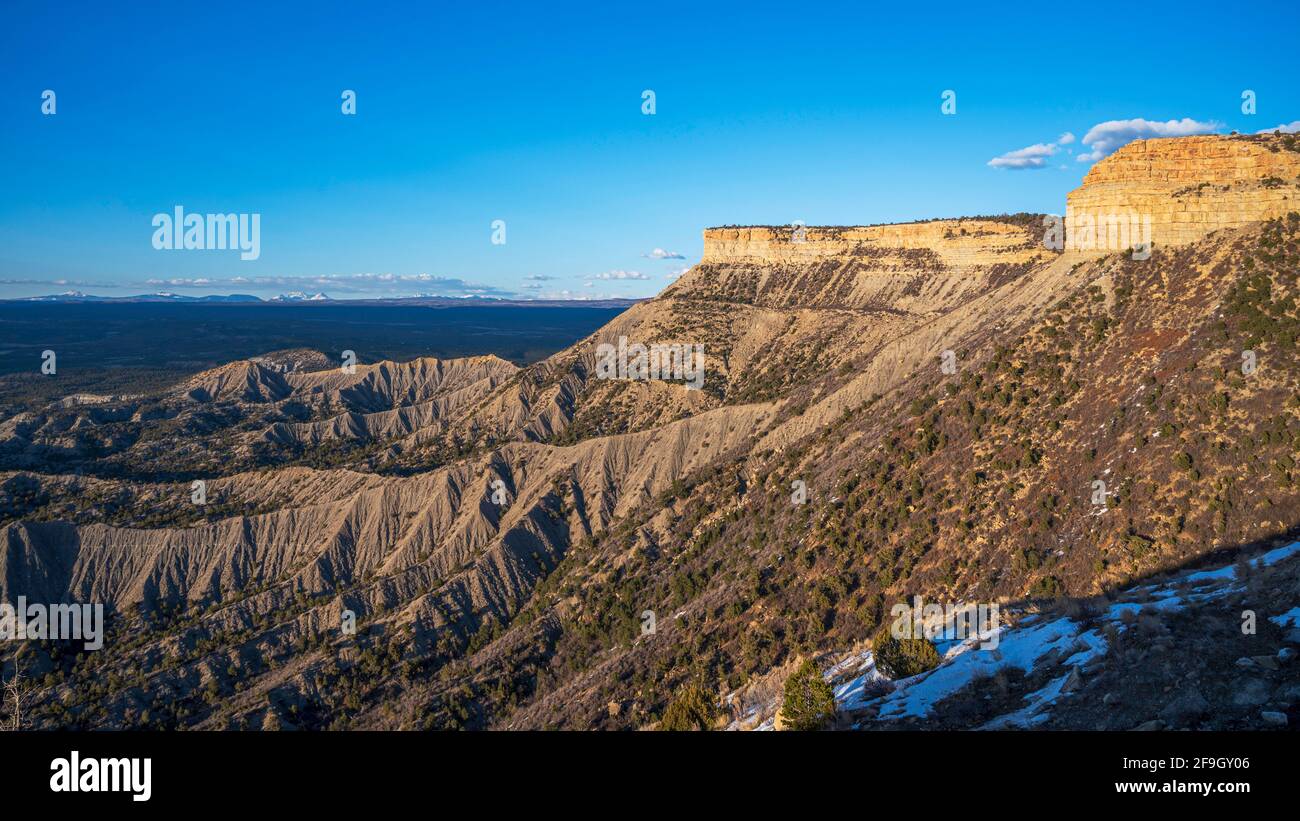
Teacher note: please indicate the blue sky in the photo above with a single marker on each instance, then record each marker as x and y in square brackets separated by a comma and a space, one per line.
[468, 113]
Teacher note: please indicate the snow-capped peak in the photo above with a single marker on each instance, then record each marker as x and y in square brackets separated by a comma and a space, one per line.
[301, 296]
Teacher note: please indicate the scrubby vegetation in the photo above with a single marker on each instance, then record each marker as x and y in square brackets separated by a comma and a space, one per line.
[905, 657]
[692, 708]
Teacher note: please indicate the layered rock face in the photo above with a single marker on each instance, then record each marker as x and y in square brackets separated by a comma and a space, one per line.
[1182, 189]
[955, 242]
[912, 267]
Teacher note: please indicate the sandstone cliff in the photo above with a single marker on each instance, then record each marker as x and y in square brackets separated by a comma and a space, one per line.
[919, 267]
[1190, 186]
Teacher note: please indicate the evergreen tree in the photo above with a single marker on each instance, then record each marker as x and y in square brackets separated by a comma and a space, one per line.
[809, 703]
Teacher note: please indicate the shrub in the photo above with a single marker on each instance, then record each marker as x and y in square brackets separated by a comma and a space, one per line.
[1138, 545]
[901, 658]
[809, 703]
[692, 708]
[1048, 587]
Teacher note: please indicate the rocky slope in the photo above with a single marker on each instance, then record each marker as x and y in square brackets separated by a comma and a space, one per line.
[498, 533]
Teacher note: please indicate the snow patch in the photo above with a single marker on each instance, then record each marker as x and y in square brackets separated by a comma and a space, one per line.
[1020, 648]
[1290, 618]
[1031, 714]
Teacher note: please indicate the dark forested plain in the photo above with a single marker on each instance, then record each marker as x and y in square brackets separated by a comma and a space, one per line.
[134, 347]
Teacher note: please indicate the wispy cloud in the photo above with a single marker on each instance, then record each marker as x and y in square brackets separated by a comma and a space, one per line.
[52, 283]
[565, 293]
[1065, 139]
[540, 277]
[660, 253]
[363, 284]
[1288, 128]
[1032, 156]
[1105, 138]
[620, 275]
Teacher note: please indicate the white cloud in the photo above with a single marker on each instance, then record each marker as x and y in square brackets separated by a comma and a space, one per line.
[362, 284]
[673, 274]
[1033, 156]
[660, 253]
[1105, 138]
[620, 275]
[1288, 128]
[66, 283]
[565, 293]
[539, 277]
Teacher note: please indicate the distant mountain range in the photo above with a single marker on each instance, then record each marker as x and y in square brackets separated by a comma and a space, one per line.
[78, 296]
[301, 297]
